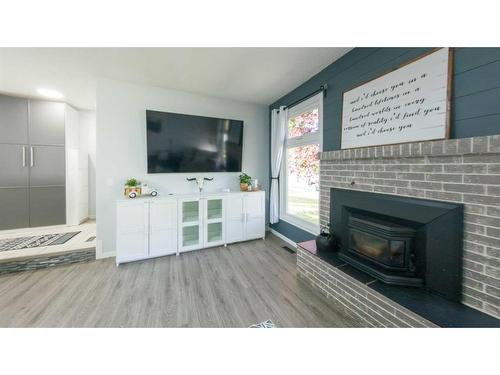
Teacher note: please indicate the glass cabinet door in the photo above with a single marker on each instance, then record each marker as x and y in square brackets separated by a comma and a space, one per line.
[190, 225]
[214, 228]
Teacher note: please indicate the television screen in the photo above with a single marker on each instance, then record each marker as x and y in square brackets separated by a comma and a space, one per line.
[178, 143]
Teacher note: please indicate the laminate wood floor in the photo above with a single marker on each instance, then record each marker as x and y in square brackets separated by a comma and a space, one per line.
[237, 286]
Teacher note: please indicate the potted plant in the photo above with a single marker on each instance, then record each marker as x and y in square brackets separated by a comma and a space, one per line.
[326, 241]
[244, 181]
[132, 188]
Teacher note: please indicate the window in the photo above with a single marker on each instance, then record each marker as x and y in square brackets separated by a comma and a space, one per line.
[300, 167]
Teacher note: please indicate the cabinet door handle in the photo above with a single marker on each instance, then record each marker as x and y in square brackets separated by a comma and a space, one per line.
[24, 156]
[31, 157]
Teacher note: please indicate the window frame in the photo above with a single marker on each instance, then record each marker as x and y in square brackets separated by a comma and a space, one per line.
[313, 102]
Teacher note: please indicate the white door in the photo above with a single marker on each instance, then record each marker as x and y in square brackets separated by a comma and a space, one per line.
[213, 221]
[190, 224]
[254, 215]
[235, 218]
[163, 227]
[132, 227]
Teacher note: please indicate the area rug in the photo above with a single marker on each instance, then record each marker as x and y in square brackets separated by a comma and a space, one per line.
[35, 241]
[267, 324]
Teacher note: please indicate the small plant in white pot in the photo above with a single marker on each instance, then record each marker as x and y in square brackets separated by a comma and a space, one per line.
[132, 188]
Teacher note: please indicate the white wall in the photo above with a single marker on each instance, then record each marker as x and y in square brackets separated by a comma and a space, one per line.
[121, 145]
[87, 143]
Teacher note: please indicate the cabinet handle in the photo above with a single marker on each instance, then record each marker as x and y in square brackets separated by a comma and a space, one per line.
[31, 157]
[24, 156]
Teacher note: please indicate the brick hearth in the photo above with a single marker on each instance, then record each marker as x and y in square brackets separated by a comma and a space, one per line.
[371, 308]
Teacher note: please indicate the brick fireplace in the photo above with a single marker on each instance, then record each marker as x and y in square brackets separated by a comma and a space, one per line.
[463, 171]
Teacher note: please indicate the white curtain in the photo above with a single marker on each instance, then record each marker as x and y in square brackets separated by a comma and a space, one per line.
[278, 131]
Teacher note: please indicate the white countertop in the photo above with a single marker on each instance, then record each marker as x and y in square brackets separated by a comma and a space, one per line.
[190, 195]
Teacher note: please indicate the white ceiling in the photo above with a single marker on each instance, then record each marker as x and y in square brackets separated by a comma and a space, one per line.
[255, 75]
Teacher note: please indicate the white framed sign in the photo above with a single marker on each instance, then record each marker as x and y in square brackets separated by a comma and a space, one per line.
[409, 104]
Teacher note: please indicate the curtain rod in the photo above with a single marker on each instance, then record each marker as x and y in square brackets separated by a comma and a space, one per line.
[322, 88]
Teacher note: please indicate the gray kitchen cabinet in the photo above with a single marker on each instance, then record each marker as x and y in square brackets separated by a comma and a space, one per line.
[13, 165]
[14, 171]
[13, 120]
[14, 208]
[32, 163]
[46, 206]
[46, 123]
[47, 166]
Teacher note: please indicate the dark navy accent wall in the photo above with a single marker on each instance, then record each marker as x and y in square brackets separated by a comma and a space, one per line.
[475, 105]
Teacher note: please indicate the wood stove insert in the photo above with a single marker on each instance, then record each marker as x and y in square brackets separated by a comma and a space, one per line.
[383, 248]
[400, 240]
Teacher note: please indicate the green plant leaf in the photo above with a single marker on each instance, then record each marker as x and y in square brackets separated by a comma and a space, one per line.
[244, 178]
[132, 182]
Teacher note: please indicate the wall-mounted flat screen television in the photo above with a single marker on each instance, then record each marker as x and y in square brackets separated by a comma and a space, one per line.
[180, 143]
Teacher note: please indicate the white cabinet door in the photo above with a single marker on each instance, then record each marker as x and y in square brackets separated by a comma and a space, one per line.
[162, 227]
[190, 224]
[235, 218]
[254, 215]
[132, 226]
[213, 222]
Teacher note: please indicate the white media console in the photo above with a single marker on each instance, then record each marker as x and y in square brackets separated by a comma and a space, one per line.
[153, 227]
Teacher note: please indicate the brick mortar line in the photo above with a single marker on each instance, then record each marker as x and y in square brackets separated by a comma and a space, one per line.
[481, 264]
[401, 309]
[421, 149]
[425, 173]
[418, 180]
[479, 290]
[352, 310]
[441, 190]
[380, 307]
[484, 254]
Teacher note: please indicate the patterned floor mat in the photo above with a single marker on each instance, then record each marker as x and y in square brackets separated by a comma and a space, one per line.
[35, 241]
[266, 324]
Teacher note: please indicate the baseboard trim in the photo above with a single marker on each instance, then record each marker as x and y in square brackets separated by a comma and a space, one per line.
[105, 255]
[100, 254]
[286, 239]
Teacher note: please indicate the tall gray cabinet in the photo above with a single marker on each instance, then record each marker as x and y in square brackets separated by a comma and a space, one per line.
[32, 163]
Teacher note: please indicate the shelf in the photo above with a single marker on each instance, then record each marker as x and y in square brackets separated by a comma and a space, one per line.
[190, 235]
[213, 221]
[190, 223]
[190, 242]
[214, 215]
[214, 232]
[190, 211]
[188, 217]
[214, 209]
[215, 238]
